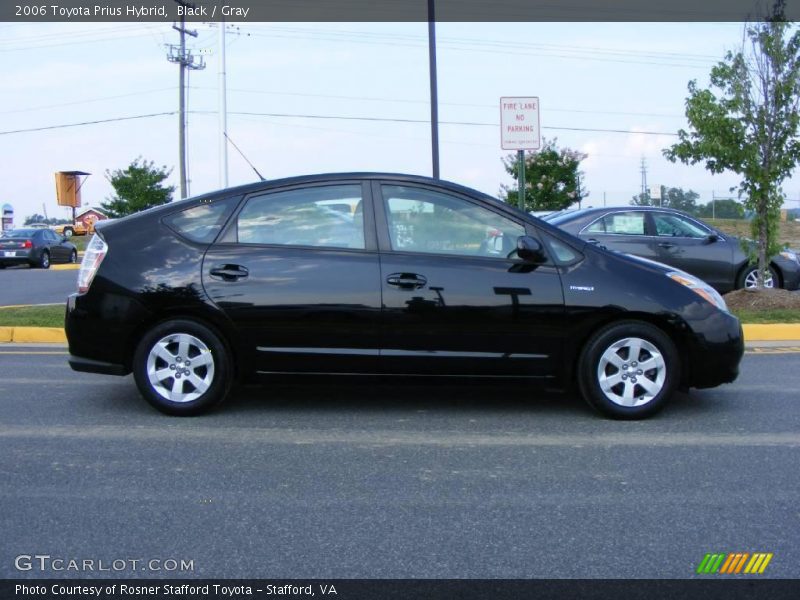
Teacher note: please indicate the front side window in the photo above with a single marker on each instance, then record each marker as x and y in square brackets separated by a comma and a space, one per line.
[625, 223]
[324, 216]
[422, 220]
[677, 226]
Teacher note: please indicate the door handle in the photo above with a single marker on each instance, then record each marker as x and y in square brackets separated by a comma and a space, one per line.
[666, 245]
[406, 281]
[229, 272]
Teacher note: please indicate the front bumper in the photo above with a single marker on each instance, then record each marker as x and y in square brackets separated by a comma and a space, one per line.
[717, 351]
[790, 272]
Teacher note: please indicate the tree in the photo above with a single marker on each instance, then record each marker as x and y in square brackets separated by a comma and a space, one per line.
[137, 187]
[675, 198]
[552, 178]
[37, 218]
[750, 125]
[642, 199]
[726, 208]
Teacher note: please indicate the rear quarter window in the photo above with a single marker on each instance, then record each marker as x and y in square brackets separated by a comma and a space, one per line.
[203, 222]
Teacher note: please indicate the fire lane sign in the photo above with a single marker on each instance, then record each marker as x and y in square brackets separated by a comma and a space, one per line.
[519, 123]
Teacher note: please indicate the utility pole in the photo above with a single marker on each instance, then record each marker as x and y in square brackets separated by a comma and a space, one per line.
[185, 60]
[434, 91]
[223, 111]
[644, 178]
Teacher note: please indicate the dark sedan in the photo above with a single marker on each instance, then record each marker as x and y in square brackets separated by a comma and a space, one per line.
[418, 277]
[675, 238]
[35, 247]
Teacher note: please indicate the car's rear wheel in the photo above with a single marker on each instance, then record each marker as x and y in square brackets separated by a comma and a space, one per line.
[182, 368]
[44, 260]
[628, 370]
[748, 278]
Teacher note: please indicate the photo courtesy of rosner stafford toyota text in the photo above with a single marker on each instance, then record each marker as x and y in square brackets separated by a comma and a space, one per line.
[400, 299]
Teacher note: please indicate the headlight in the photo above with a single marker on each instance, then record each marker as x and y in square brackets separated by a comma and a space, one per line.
[789, 255]
[699, 287]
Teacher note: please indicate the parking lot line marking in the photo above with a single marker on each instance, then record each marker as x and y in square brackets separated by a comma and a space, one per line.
[22, 352]
[773, 350]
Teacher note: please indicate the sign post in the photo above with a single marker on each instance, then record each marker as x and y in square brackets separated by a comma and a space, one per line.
[519, 130]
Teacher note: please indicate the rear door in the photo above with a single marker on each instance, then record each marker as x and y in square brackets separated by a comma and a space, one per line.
[297, 272]
[456, 298]
[625, 232]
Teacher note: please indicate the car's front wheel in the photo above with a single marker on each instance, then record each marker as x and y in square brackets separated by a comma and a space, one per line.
[628, 370]
[73, 257]
[182, 368]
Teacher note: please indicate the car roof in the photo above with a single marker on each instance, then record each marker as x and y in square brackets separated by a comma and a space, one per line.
[570, 215]
[269, 184]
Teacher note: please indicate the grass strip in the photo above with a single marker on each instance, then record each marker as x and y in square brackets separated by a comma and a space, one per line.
[32, 316]
[766, 316]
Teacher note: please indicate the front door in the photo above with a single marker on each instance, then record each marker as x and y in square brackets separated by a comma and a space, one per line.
[456, 298]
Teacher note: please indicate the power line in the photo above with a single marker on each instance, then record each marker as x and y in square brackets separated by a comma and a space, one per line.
[111, 120]
[336, 117]
[425, 121]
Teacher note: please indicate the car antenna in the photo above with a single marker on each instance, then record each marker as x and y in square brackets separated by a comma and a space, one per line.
[225, 133]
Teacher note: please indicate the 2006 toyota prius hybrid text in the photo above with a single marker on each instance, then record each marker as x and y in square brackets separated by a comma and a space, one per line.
[385, 274]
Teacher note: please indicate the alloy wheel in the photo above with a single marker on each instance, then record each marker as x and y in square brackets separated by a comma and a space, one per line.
[631, 372]
[180, 367]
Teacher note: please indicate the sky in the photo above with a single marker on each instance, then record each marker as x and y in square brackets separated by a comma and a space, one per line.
[588, 76]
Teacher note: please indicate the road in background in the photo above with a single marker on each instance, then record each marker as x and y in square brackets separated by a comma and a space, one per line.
[391, 479]
[23, 285]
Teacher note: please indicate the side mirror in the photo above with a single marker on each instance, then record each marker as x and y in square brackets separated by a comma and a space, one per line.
[64, 238]
[711, 238]
[530, 249]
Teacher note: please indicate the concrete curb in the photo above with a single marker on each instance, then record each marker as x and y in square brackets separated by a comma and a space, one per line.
[33, 335]
[783, 332]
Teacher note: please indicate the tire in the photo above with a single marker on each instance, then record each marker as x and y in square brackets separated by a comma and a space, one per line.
[607, 359]
[208, 364]
[73, 257]
[747, 278]
[44, 260]
[68, 232]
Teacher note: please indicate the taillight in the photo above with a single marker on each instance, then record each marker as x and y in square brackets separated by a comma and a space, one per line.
[27, 244]
[95, 253]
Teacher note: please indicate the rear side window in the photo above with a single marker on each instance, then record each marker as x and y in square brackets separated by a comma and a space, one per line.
[203, 222]
[627, 223]
[325, 216]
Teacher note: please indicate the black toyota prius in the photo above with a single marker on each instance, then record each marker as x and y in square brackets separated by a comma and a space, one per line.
[384, 274]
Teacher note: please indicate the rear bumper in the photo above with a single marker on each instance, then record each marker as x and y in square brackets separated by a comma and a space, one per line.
[87, 365]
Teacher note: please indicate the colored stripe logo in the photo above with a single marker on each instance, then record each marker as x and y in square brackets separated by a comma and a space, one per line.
[734, 563]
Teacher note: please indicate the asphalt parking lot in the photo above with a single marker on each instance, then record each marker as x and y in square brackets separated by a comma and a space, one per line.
[390, 479]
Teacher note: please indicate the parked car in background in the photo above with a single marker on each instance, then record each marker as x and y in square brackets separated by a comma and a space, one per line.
[677, 239]
[36, 247]
[424, 277]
